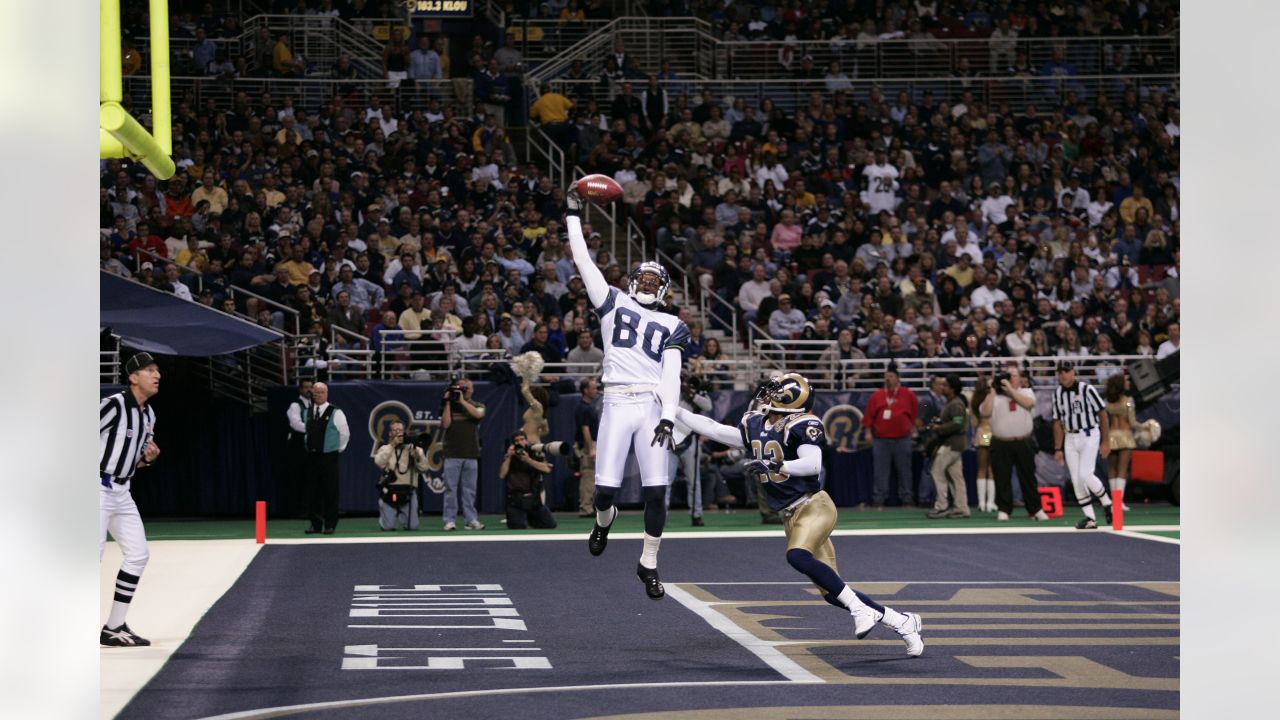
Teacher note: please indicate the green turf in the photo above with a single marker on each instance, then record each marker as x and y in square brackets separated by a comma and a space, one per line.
[633, 521]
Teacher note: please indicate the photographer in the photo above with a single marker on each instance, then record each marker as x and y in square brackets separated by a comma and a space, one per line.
[401, 461]
[522, 468]
[1009, 407]
[460, 417]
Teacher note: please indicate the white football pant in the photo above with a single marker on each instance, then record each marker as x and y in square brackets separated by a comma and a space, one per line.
[627, 424]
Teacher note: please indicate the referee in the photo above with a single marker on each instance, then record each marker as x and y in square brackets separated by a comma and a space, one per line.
[1079, 421]
[126, 425]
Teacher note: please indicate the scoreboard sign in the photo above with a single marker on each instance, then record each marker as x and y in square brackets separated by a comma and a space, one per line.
[435, 9]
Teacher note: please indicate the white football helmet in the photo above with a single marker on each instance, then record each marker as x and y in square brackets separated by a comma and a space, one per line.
[664, 283]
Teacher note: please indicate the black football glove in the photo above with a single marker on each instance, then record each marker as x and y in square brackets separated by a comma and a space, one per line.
[662, 435]
[765, 467]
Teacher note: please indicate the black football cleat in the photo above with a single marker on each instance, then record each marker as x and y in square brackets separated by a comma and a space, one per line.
[652, 585]
[599, 539]
[121, 637]
[1107, 509]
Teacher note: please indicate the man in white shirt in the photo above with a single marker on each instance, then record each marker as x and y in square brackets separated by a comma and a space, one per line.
[753, 292]
[176, 286]
[1173, 344]
[988, 294]
[881, 188]
[786, 321]
[964, 246]
[995, 207]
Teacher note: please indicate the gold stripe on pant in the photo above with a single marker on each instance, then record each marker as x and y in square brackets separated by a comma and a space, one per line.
[810, 528]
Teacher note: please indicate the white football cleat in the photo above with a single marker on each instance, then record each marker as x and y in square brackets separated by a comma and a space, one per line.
[864, 621]
[910, 632]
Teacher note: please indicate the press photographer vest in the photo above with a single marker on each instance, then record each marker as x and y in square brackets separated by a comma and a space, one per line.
[322, 434]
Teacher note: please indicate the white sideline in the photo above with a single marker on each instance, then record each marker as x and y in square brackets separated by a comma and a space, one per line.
[502, 536]
[182, 581]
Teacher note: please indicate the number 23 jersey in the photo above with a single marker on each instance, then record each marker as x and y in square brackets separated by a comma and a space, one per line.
[781, 441]
[635, 338]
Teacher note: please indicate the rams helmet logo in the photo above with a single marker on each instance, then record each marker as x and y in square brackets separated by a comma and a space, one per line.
[790, 393]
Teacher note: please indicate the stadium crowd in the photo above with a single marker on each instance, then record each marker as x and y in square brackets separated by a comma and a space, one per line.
[891, 225]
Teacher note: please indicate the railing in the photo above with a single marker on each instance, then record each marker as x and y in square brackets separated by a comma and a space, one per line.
[291, 319]
[792, 95]
[319, 40]
[542, 39]
[539, 147]
[687, 43]
[691, 47]
[308, 93]
[109, 362]
[869, 59]
[247, 375]
[819, 361]
[158, 262]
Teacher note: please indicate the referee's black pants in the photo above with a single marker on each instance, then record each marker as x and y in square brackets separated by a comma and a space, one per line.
[1006, 455]
[322, 490]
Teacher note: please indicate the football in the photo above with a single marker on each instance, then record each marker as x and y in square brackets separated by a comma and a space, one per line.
[599, 189]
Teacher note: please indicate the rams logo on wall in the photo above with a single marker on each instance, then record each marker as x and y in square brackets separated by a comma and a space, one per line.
[842, 423]
[386, 413]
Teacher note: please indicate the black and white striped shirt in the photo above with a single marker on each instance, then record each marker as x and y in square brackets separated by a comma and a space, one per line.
[125, 429]
[1077, 407]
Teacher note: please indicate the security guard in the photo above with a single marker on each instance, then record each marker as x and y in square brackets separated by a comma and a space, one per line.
[126, 425]
[786, 441]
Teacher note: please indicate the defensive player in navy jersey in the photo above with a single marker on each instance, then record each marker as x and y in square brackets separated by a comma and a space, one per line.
[785, 439]
[643, 353]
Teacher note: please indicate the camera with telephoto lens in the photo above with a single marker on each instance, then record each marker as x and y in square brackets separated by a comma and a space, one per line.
[422, 441]
[551, 448]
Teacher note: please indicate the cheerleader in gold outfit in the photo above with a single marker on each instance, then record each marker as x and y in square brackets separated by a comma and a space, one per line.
[982, 445]
[1120, 412]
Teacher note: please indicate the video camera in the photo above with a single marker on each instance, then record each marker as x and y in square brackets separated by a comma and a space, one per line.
[997, 383]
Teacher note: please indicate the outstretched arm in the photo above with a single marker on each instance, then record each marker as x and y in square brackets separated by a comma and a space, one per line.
[597, 288]
[669, 386]
[708, 428]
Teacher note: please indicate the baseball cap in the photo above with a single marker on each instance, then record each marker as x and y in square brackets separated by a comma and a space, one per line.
[826, 302]
[1066, 366]
[137, 362]
[148, 266]
[784, 297]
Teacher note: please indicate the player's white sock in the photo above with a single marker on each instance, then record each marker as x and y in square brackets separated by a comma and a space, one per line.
[605, 518]
[126, 585]
[1088, 512]
[849, 599]
[893, 618]
[649, 556]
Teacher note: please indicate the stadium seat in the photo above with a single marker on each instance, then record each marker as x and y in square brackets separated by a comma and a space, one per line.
[1147, 466]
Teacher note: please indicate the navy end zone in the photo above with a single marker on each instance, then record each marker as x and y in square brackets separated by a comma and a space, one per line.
[1014, 627]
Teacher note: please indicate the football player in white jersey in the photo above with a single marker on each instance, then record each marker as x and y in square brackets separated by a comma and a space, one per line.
[643, 353]
[881, 191]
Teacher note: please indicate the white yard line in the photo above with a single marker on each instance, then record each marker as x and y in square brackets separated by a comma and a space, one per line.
[763, 649]
[182, 581]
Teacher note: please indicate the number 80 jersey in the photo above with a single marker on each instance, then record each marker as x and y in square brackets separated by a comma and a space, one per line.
[780, 441]
[635, 338]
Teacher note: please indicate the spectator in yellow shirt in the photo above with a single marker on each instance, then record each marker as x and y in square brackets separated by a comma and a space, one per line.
[282, 60]
[297, 266]
[208, 190]
[415, 317]
[551, 108]
[1130, 206]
